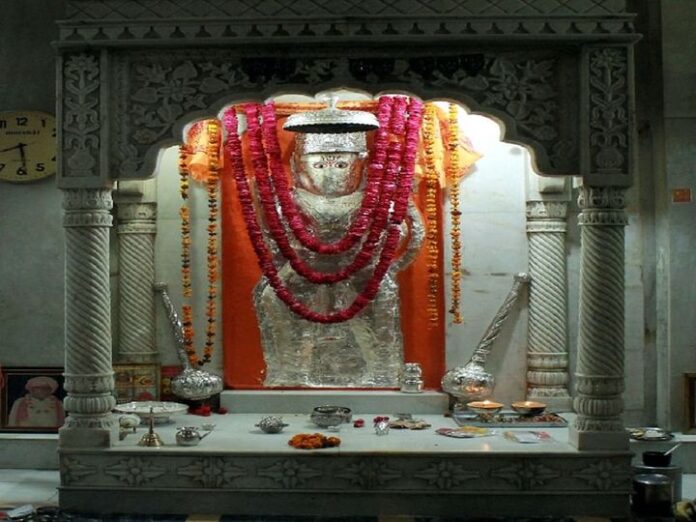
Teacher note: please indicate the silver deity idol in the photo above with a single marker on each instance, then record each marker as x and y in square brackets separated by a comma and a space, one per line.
[366, 351]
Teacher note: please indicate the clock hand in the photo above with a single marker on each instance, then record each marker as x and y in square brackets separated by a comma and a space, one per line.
[20, 145]
[21, 153]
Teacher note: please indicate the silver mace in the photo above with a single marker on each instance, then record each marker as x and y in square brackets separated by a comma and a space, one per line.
[191, 384]
[472, 382]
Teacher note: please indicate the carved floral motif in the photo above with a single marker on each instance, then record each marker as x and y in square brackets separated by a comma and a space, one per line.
[81, 121]
[609, 110]
[369, 474]
[445, 475]
[73, 470]
[289, 473]
[134, 471]
[526, 474]
[212, 472]
[604, 475]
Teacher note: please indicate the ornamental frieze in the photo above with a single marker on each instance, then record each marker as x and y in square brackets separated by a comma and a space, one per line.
[259, 9]
[156, 92]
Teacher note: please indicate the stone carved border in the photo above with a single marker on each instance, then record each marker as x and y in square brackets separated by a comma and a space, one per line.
[119, 9]
[157, 92]
[118, 33]
[434, 474]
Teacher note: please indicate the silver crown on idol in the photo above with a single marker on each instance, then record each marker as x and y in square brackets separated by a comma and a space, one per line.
[309, 143]
[331, 120]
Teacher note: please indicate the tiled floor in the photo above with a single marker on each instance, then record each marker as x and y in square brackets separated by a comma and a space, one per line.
[38, 488]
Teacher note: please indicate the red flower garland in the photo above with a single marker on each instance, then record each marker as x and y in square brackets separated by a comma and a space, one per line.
[389, 195]
[370, 199]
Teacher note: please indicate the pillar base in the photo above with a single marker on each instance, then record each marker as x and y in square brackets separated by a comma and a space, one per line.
[69, 437]
[598, 440]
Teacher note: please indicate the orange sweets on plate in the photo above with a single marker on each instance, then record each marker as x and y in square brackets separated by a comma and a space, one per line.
[313, 441]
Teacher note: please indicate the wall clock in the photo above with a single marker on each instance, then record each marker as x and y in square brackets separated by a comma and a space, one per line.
[27, 146]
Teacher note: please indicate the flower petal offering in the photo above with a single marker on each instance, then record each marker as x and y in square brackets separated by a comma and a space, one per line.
[313, 441]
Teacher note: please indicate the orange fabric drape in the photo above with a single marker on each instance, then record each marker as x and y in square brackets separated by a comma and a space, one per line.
[243, 356]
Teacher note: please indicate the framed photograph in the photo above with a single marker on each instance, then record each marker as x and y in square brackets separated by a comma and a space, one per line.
[690, 402]
[32, 399]
[136, 382]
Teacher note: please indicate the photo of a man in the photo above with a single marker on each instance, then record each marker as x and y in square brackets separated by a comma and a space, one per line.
[39, 407]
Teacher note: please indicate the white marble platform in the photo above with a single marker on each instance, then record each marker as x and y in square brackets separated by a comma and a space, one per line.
[239, 470]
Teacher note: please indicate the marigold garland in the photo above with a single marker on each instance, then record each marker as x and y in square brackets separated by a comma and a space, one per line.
[453, 173]
[213, 152]
[431, 215]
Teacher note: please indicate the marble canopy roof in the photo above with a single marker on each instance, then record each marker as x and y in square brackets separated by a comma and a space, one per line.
[556, 73]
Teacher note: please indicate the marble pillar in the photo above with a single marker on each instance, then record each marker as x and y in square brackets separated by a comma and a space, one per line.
[600, 360]
[88, 373]
[136, 306]
[547, 352]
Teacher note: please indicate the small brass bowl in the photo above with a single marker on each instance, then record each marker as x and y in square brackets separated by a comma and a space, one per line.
[485, 407]
[528, 407]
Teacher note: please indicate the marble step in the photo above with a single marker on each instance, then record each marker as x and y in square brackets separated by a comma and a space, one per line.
[303, 401]
[29, 450]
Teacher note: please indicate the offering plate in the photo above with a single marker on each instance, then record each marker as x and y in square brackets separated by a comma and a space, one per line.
[161, 411]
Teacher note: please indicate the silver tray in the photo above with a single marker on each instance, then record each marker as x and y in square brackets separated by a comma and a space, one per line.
[509, 419]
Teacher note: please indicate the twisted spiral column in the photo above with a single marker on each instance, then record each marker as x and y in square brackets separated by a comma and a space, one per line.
[547, 353]
[88, 372]
[136, 308]
[600, 365]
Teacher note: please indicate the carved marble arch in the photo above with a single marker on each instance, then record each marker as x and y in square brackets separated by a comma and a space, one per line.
[524, 92]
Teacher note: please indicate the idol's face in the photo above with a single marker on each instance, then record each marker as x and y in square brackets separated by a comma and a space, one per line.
[329, 174]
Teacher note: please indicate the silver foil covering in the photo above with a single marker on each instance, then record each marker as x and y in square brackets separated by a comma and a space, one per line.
[366, 351]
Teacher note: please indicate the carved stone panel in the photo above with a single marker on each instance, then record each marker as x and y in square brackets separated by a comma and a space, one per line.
[609, 109]
[254, 9]
[156, 93]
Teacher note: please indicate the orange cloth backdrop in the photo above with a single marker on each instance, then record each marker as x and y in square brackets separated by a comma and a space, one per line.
[244, 366]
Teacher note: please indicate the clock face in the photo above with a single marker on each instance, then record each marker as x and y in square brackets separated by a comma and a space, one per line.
[27, 146]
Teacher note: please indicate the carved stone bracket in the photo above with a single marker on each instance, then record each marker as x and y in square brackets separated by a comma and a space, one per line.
[547, 353]
[609, 111]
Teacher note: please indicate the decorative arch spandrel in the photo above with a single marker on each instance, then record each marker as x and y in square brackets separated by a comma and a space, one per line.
[155, 93]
